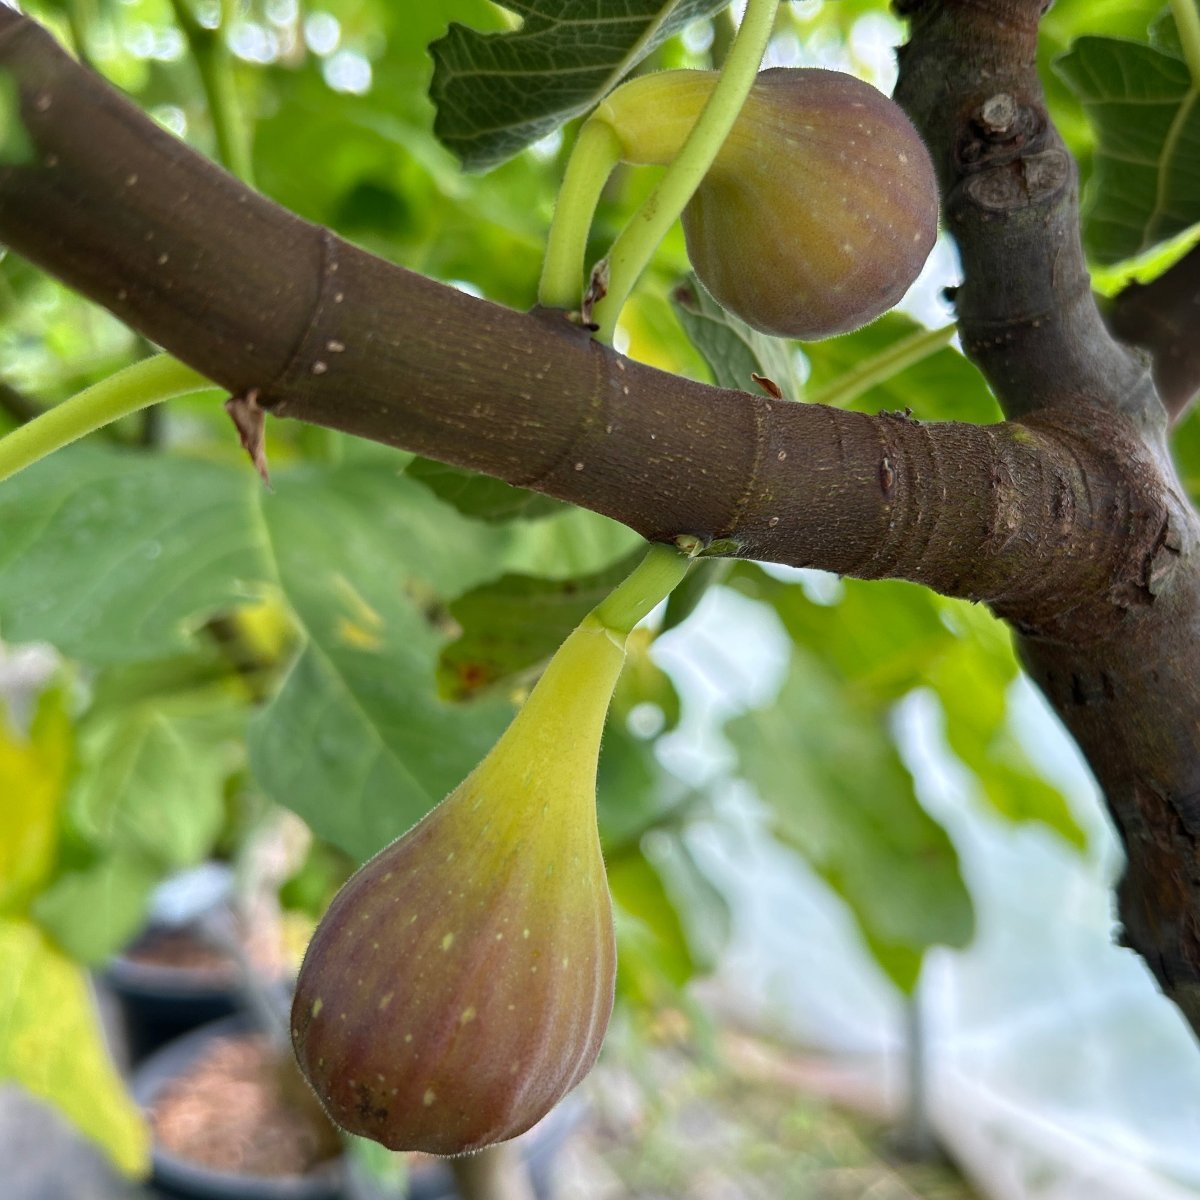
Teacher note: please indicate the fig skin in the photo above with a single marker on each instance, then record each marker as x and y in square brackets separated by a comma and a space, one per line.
[462, 980]
[820, 208]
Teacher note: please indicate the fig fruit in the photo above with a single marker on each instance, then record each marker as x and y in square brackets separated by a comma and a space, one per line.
[820, 208]
[462, 980]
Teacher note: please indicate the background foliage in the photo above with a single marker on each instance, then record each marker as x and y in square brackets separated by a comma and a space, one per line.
[349, 643]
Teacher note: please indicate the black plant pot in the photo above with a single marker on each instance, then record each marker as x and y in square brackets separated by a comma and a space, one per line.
[178, 1177]
[159, 1003]
[334, 1180]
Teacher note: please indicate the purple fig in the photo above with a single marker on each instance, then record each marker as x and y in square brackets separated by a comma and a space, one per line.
[820, 208]
[462, 980]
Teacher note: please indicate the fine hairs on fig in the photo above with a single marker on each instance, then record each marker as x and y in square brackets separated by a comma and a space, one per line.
[820, 208]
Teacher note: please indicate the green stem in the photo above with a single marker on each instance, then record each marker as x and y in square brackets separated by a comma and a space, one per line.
[210, 52]
[1187, 21]
[649, 225]
[650, 582]
[882, 366]
[147, 382]
[597, 150]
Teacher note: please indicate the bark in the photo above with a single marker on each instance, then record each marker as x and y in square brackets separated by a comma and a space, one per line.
[1067, 519]
[1162, 317]
[1029, 321]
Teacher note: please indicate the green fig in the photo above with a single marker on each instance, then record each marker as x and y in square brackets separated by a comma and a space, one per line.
[462, 980]
[820, 208]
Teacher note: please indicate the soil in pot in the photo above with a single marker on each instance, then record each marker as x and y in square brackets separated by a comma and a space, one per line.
[236, 1110]
[232, 1119]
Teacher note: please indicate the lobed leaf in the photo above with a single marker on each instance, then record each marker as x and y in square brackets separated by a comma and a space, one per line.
[498, 93]
[1142, 102]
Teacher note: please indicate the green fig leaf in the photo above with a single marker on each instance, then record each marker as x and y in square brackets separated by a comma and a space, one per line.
[733, 351]
[841, 797]
[1142, 102]
[94, 911]
[51, 1044]
[654, 958]
[115, 557]
[357, 741]
[894, 363]
[512, 625]
[634, 793]
[884, 639]
[33, 778]
[152, 775]
[481, 496]
[498, 93]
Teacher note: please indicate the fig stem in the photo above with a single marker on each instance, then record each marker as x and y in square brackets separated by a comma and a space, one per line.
[650, 582]
[1187, 21]
[126, 391]
[647, 227]
[879, 368]
[596, 152]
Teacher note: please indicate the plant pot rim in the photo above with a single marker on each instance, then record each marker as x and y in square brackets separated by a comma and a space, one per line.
[182, 1176]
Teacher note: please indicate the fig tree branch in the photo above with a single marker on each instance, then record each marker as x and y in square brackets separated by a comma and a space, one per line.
[1029, 321]
[1067, 521]
[258, 300]
[1163, 318]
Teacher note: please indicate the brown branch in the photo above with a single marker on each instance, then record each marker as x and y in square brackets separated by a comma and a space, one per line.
[1029, 321]
[1068, 521]
[1163, 318]
[261, 301]
[1026, 311]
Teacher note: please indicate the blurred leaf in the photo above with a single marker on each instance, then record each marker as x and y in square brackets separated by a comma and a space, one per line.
[842, 797]
[654, 959]
[498, 93]
[1061, 24]
[972, 683]
[645, 694]
[92, 913]
[513, 625]
[357, 741]
[476, 495]
[51, 1044]
[116, 556]
[895, 363]
[1185, 444]
[152, 776]
[1142, 102]
[732, 350]
[702, 907]
[633, 791]
[882, 640]
[33, 773]
[113, 557]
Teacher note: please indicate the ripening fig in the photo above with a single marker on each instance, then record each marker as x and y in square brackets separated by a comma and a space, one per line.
[819, 209]
[462, 980]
